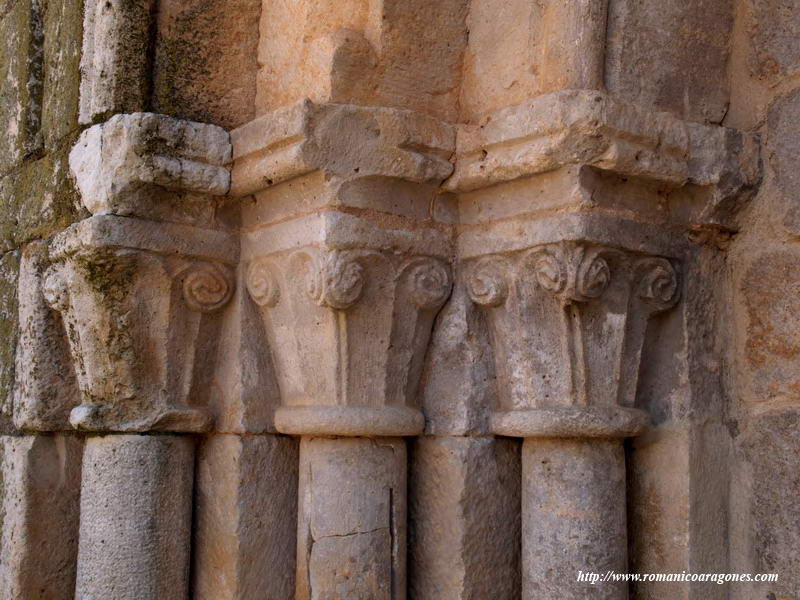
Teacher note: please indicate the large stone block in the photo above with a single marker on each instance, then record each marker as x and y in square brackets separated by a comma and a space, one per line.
[464, 504]
[63, 29]
[774, 27]
[661, 54]
[38, 199]
[205, 65]
[766, 505]
[20, 80]
[245, 517]
[783, 153]
[769, 292]
[39, 502]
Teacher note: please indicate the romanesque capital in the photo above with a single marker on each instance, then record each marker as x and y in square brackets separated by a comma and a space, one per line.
[344, 260]
[568, 321]
[139, 284]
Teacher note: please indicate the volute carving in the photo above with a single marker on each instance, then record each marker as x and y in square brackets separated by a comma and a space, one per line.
[135, 322]
[360, 319]
[568, 322]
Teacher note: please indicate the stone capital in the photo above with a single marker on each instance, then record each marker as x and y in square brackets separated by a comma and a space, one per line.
[140, 283]
[348, 330]
[344, 259]
[568, 321]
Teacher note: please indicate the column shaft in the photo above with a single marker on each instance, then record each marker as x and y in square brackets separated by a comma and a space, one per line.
[136, 509]
[352, 519]
[573, 518]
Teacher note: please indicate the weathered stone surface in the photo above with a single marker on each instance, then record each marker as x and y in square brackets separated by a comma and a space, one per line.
[573, 518]
[39, 502]
[457, 389]
[766, 506]
[464, 516]
[352, 519]
[660, 54]
[115, 58]
[63, 28]
[362, 52]
[45, 389]
[38, 199]
[205, 63]
[774, 51]
[783, 153]
[21, 30]
[129, 481]
[151, 166]
[245, 517]
[769, 292]
[518, 50]
[9, 272]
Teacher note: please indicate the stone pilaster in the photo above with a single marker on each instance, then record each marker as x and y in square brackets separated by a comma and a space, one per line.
[349, 266]
[139, 286]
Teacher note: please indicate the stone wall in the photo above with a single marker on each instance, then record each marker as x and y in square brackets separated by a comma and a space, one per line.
[398, 299]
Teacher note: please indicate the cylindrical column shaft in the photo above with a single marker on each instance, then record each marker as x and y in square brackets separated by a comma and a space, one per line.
[136, 507]
[573, 44]
[352, 519]
[573, 518]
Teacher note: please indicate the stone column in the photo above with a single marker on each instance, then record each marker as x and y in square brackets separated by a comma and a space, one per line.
[568, 321]
[136, 517]
[569, 254]
[348, 267]
[139, 287]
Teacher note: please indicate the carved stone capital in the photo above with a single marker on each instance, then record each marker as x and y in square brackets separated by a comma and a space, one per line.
[568, 321]
[359, 320]
[138, 316]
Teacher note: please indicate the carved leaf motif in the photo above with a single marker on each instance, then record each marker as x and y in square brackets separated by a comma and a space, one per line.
[430, 282]
[338, 283]
[657, 282]
[207, 287]
[487, 282]
[262, 283]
